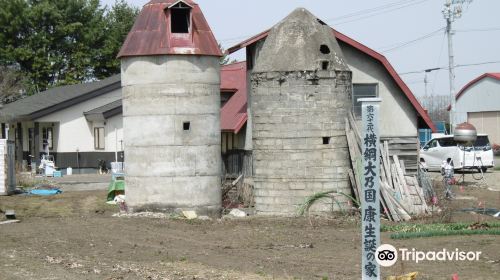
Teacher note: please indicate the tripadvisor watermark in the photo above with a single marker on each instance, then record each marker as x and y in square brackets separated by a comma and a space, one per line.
[387, 255]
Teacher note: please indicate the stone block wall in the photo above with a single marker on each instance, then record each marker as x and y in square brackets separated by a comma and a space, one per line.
[299, 141]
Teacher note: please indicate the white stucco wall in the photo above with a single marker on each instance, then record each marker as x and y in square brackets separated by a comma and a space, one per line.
[74, 131]
[398, 117]
[483, 96]
[114, 140]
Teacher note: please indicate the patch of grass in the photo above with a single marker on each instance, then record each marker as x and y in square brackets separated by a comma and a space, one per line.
[410, 228]
[434, 233]
[304, 208]
[261, 273]
[27, 183]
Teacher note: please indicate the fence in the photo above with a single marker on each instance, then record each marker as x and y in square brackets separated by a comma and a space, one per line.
[236, 163]
[7, 167]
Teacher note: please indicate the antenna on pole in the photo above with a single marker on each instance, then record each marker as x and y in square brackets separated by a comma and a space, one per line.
[452, 11]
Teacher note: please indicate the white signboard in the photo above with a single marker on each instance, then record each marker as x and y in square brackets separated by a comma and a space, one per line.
[370, 196]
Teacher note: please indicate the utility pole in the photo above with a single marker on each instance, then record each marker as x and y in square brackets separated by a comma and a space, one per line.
[452, 11]
[429, 100]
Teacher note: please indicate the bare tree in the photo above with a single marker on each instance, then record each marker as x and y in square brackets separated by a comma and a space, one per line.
[436, 106]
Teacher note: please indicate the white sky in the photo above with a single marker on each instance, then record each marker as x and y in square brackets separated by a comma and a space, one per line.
[477, 39]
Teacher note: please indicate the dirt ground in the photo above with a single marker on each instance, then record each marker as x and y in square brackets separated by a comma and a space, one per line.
[74, 236]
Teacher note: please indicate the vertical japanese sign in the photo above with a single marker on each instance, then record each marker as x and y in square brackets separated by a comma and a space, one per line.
[370, 197]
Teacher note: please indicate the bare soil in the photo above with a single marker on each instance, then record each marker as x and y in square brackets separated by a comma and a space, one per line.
[74, 236]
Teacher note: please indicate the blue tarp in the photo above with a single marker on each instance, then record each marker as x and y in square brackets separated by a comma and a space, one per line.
[46, 192]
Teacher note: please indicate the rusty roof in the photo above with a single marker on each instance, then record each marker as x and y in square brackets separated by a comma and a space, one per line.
[234, 113]
[151, 34]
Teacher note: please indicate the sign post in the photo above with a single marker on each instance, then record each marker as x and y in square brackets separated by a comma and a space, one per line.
[370, 194]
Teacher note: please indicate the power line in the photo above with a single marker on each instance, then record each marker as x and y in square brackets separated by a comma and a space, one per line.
[475, 64]
[478, 30]
[447, 68]
[438, 62]
[404, 44]
[371, 10]
[381, 13]
[370, 13]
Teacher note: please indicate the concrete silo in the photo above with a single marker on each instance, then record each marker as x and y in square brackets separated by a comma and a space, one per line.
[171, 102]
[301, 94]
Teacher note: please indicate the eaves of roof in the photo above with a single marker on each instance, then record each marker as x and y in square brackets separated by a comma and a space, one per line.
[370, 52]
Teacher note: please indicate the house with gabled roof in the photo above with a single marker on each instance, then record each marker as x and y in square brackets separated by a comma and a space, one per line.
[478, 103]
[372, 76]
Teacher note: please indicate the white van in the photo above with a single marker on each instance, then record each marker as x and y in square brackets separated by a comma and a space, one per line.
[439, 149]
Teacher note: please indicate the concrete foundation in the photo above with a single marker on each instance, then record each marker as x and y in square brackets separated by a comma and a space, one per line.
[172, 133]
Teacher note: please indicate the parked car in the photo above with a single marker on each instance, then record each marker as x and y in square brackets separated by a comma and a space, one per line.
[439, 149]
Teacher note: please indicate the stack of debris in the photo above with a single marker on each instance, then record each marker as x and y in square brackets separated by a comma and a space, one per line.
[401, 195]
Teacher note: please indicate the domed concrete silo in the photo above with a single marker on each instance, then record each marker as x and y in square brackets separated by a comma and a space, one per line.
[171, 102]
[301, 95]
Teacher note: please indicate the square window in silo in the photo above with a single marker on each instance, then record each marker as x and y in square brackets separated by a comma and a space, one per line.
[326, 140]
[186, 126]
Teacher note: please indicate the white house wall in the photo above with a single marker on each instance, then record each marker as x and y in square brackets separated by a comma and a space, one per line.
[398, 118]
[484, 96]
[114, 140]
[75, 132]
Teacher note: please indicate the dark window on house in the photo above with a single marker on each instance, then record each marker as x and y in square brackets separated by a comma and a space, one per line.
[47, 137]
[224, 97]
[180, 18]
[362, 91]
[99, 138]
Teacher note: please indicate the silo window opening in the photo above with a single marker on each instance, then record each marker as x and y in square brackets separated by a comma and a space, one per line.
[324, 65]
[180, 18]
[324, 49]
[326, 140]
[186, 126]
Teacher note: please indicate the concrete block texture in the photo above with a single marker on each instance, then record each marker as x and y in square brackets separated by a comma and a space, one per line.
[168, 194]
[171, 109]
[299, 142]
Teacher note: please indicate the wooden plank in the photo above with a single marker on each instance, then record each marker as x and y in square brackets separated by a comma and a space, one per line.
[384, 193]
[353, 184]
[385, 168]
[402, 153]
[400, 175]
[354, 154]
[399, 140]
[399, 211]
[387, 163]
[354, 128]
[403, 167]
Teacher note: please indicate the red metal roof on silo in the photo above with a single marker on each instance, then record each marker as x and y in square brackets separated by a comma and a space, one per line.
[151, 34]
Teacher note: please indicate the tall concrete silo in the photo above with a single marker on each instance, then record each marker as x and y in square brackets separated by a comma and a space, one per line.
[171, 102]
[301, 94]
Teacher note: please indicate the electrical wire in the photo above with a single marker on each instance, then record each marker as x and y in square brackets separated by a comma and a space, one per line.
[371, 10]
[478, 30]
[446, 68]
[438, 62]
[370, 13]
[404, 44]
[380, 13]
